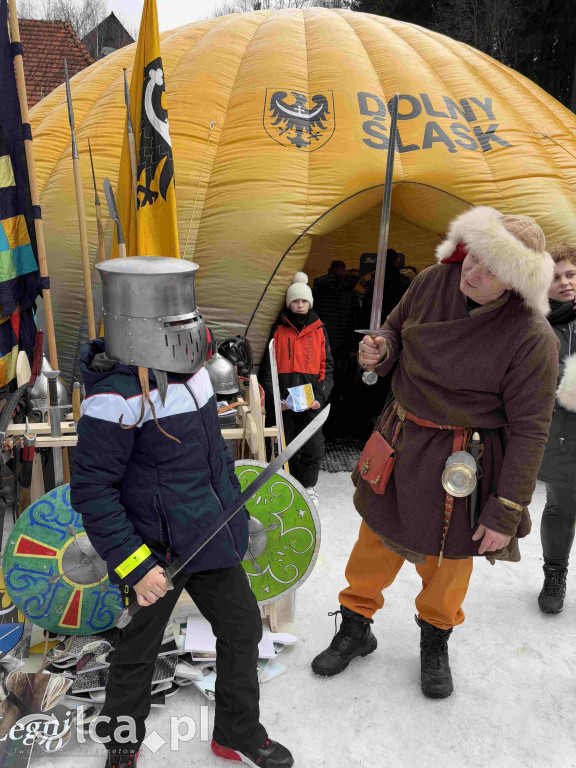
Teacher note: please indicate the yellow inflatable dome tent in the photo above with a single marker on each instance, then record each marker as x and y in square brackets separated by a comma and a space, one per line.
[263, 193]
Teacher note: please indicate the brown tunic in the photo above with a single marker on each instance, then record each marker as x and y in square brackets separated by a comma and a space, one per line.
[493, 369]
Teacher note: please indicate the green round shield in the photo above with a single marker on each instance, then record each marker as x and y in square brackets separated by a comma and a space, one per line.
[52, 572]
[284, 533]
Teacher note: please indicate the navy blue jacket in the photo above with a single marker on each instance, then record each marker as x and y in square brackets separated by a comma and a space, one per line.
[143, 497]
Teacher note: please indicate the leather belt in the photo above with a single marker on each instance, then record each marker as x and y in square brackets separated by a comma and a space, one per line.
[461, 437]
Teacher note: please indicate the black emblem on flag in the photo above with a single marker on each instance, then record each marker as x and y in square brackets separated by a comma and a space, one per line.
[155, 144]
[297, 120]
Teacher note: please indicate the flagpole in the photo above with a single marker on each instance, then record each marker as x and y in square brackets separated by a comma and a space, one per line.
[32, 179]
[81, 215]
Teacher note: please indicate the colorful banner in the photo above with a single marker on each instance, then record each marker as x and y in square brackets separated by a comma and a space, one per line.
[19, 276]
[152, 228]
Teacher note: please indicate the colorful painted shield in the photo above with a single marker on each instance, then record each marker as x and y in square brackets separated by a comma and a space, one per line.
[11, 621]
[284, 533]
[52, 572]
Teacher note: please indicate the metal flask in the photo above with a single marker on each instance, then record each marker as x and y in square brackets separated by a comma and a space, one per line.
[459, 476]
[223, 375]
[150, 314]
[37, 408]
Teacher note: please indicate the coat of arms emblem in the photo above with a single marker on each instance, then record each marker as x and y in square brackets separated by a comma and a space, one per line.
[295, 119]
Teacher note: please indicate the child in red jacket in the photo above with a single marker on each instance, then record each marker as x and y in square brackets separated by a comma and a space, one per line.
[303, 357]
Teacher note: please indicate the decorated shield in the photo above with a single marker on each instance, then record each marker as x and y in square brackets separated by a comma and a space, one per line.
[284, 533]
[11, 621]
[52, 572]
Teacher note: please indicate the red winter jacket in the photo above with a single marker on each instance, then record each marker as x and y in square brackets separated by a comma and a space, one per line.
[302, 358]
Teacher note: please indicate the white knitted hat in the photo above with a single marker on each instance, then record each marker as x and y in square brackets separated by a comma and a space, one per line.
[299, 289]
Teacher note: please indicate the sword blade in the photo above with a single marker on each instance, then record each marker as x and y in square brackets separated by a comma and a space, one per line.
[376, 313]
[112, 210]
[124, 617]
[277, 402]
[96, 198]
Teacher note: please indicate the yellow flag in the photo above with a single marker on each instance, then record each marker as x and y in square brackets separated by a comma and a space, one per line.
[151, 228]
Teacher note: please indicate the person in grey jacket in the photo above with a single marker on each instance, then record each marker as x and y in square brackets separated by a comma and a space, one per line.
[558, 469]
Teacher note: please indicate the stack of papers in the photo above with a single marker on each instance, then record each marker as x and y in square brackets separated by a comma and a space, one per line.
[200, 641]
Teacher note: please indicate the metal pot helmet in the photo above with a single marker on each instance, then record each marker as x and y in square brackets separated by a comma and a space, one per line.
[150, 315]
[237, 349]
[223, 375]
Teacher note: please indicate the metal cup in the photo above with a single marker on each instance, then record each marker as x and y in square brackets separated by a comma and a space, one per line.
[459, 476]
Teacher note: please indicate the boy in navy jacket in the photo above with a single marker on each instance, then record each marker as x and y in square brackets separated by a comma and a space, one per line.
[152, 475]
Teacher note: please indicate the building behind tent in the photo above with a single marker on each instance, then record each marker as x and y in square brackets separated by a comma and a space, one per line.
[108, 36]
[45, 45]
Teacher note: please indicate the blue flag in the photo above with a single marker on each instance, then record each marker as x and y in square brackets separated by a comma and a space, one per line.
[19, 274]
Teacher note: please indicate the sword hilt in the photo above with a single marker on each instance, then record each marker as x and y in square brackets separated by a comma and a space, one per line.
[127, 614]
[370, 377]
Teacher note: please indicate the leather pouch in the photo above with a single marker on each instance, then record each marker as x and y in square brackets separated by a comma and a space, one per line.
[376, 462]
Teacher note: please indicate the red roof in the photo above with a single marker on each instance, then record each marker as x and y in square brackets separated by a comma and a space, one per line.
[45, 46]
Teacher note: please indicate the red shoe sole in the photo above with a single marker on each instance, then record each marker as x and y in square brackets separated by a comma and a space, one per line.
[225, 752]
[231, 754]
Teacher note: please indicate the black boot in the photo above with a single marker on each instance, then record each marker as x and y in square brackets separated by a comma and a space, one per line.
[122, 761]
[551, 599]
[270, 755]
[435, 675]
[354, 638]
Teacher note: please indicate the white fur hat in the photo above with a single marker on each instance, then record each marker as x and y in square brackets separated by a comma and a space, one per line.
[299, 289]
[513, 247]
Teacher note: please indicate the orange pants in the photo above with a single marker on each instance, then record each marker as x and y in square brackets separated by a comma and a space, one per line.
[372, 567]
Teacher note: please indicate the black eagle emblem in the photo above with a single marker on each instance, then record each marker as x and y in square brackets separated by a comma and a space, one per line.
[155, 143]
[297, 122]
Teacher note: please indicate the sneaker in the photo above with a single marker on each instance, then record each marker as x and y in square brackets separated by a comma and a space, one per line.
[313, 493]
[354, 638]
[551, 598]
[269, 755]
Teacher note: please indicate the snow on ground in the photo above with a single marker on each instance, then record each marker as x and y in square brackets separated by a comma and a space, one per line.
[514, 671]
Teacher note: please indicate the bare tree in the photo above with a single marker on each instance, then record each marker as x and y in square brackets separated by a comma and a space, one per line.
[279, 5]
[27, 9]
[245, 6]
[82, 15]
[493, 26]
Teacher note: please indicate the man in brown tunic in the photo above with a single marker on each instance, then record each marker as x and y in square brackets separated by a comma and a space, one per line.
[474, 353]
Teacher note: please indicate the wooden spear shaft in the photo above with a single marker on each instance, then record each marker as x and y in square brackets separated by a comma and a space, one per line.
[81, 215]
[35, 197]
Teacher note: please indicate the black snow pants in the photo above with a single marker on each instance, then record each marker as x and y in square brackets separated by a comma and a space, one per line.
[224, 597]
[558, 524]
[304, 465]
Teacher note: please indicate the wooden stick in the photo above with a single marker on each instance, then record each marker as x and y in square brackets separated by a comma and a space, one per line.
[84, 248]
[38, 227]
[76, 401]
[258, 418]
[81, 216]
